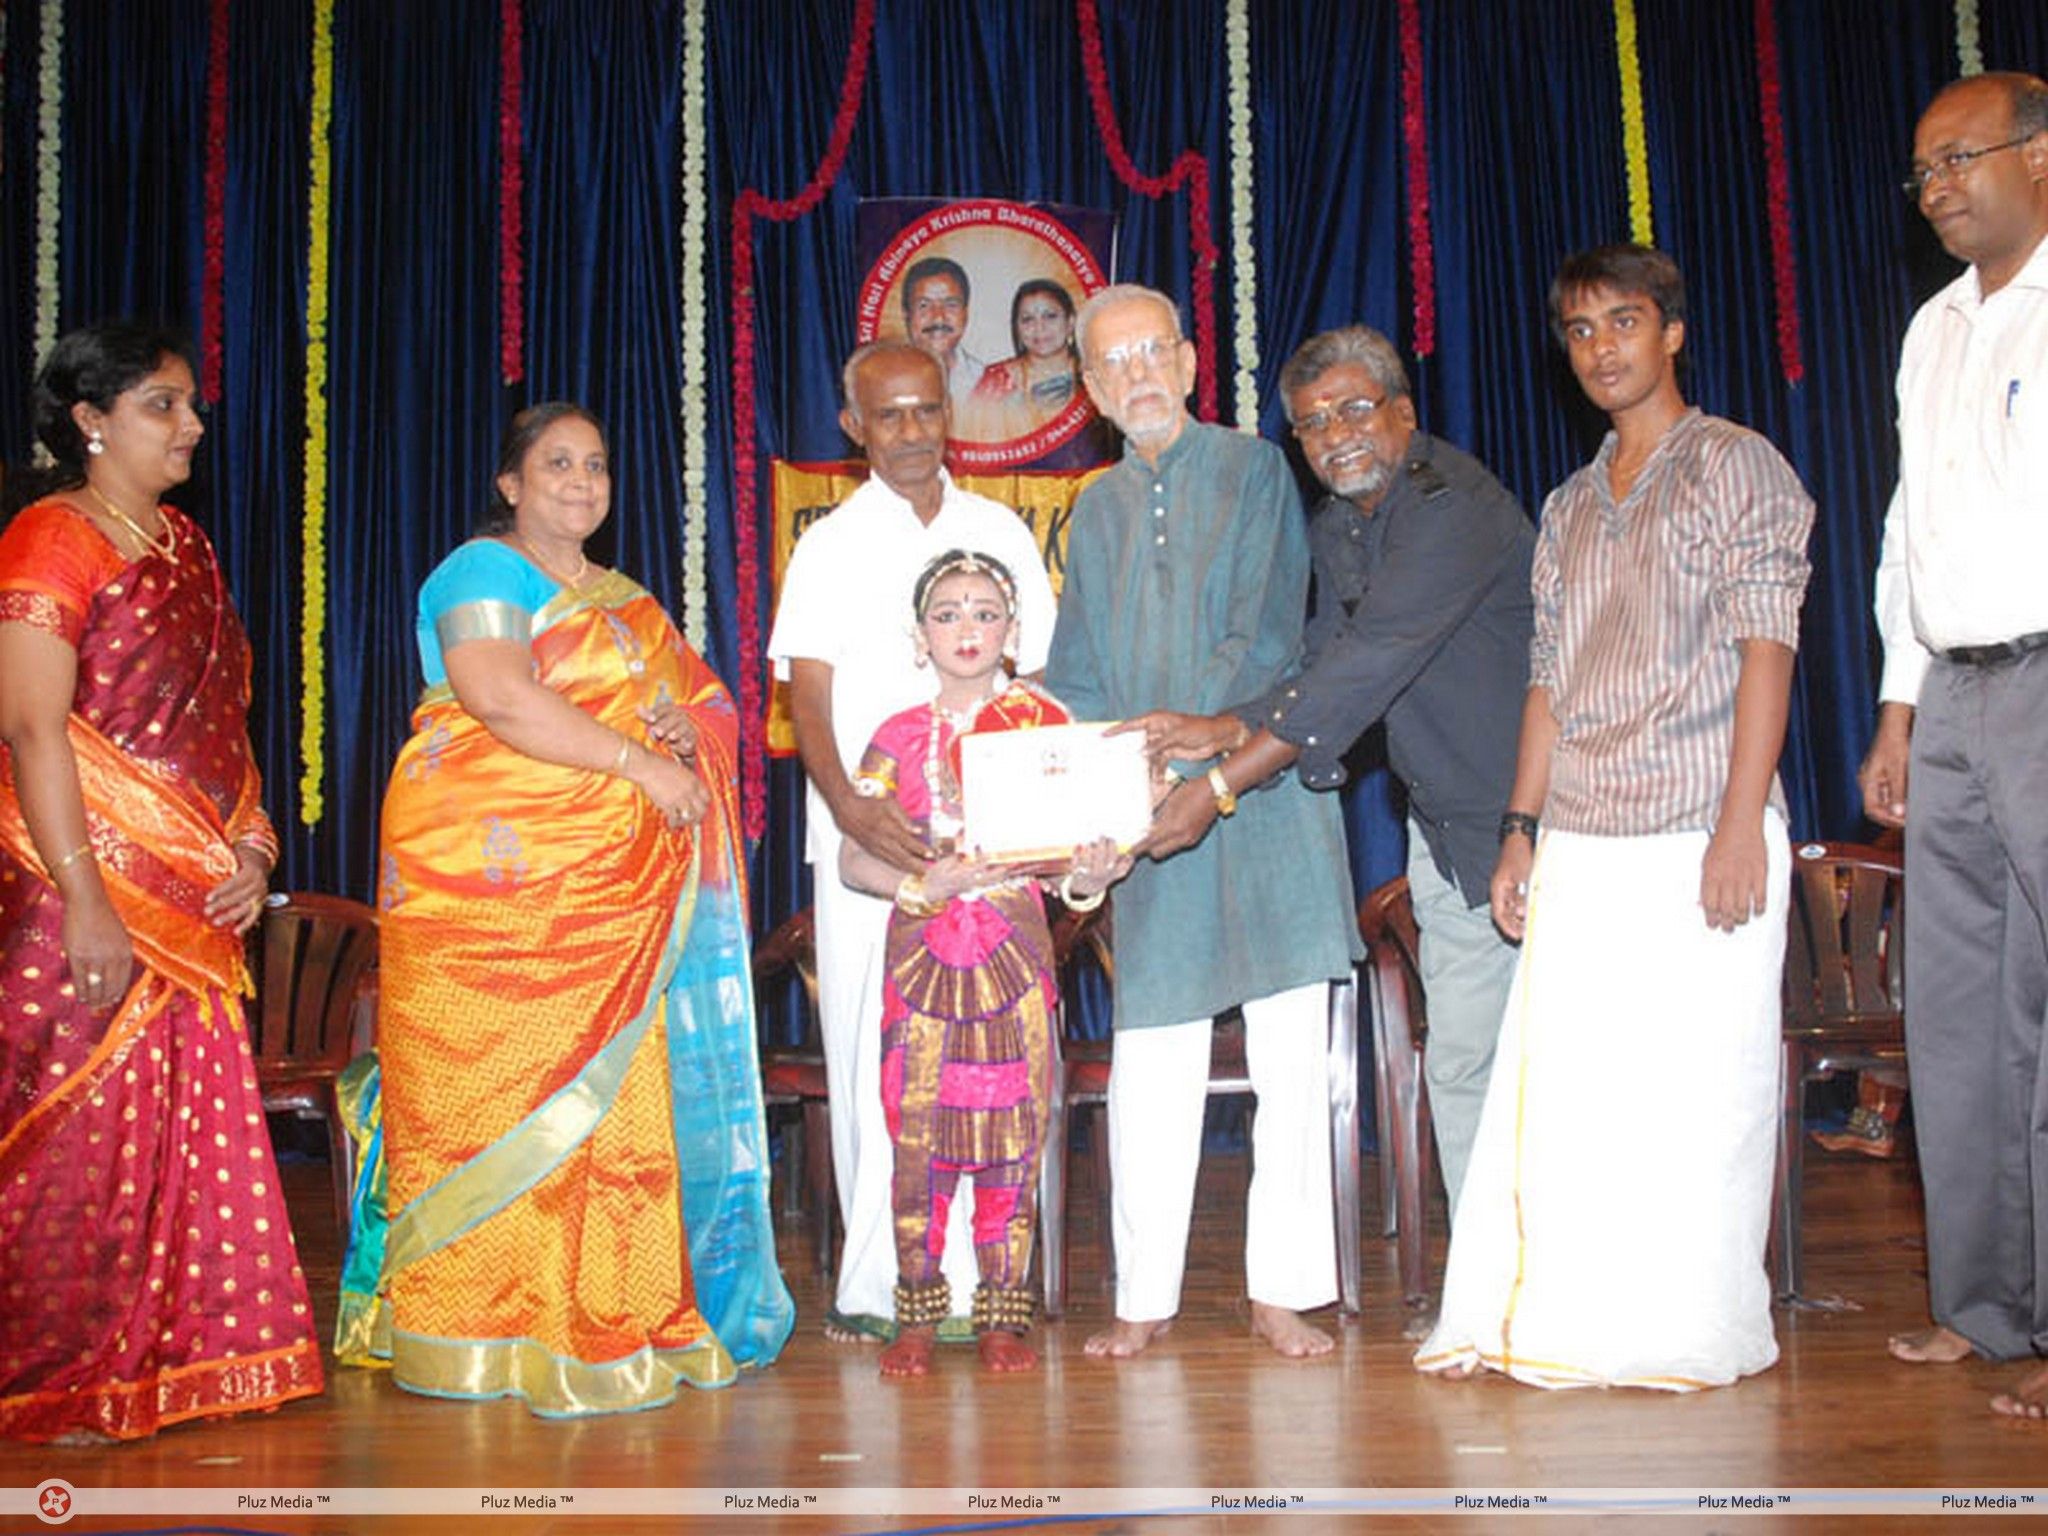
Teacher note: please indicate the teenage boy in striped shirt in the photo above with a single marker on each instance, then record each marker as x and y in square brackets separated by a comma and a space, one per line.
[1645, 866]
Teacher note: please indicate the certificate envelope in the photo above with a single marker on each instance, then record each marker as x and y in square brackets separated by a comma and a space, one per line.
[1037, 794]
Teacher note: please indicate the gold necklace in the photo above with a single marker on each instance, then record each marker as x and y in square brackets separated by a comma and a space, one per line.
[575, 582]
[163, 546]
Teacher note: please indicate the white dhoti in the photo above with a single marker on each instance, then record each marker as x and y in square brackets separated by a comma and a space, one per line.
[852, 928]
[1612, 1225]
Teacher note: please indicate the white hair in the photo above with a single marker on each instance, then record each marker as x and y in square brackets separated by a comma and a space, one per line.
[1120, 293]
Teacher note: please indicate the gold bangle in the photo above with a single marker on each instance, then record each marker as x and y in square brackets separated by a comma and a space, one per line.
[913, 899]
[1226, 797]
[269, 859]
[618, 767]
[73, 856]
[1075, 903]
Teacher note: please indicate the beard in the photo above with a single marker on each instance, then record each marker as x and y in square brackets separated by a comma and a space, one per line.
[1361, 478]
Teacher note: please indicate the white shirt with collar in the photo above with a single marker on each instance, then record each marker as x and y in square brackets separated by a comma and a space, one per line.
[1966, 536]
[846, 602]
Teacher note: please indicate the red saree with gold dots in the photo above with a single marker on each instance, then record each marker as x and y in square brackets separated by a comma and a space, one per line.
[147, 1270]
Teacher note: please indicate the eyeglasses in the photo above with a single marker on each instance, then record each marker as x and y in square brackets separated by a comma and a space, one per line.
[1152, 352]
[1355, 412]
[1950, 167]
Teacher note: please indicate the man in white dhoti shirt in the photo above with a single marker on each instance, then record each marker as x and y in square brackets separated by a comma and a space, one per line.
[1645, 866]
[843, 642]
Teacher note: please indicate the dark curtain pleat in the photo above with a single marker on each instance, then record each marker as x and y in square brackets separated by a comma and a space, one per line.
[415, 404]
[256, 434]
[134, 105]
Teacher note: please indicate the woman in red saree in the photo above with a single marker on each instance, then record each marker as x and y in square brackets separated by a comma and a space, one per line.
[575, 1156]
[147, 1271]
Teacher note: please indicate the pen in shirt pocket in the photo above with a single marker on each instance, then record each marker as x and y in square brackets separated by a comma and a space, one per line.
[2012, 393]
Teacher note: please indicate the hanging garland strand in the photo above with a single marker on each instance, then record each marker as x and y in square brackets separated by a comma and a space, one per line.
[213, 291]
[696, 364]
[313, 551]
[748, 206]
[1415, 152]
[1969, 41]
[511, 194]
[1635, 144]
[1778, 178]
[1244, 265]
[49, 171]
[1190, 169]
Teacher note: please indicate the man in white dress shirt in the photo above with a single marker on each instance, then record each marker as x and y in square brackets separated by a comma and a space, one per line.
[1961, 750]
[842, 640]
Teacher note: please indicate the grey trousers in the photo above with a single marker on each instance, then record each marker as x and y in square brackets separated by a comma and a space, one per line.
[1977, 995]
[1467, 969]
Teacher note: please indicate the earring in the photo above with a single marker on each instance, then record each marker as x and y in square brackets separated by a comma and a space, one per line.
[95, 445]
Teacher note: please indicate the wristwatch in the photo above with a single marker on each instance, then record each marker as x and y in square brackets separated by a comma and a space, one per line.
[1512, 822]
[1226, 797]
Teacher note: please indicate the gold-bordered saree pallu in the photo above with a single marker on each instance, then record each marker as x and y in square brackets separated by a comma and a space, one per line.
[575, 1154]
[147, 1271]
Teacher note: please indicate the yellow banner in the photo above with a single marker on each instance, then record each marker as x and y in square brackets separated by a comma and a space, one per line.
[800, 494]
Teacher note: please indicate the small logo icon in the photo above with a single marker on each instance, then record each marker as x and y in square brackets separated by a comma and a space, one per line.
[54, 1501]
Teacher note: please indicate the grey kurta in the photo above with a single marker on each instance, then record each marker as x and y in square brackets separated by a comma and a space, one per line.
[1185, 589]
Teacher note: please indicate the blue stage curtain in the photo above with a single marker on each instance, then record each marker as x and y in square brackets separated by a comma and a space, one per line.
[966, 97]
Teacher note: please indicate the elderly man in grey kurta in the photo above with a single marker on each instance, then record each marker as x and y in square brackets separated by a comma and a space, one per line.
[1187, 574]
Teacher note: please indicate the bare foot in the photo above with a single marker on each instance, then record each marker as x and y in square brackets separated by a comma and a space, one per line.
[1122, 1340]
[911, 1352]
[1004, 1351]
[1464, 1370]
[2028, 1400]
[1289, 1333]
[1929, 1346]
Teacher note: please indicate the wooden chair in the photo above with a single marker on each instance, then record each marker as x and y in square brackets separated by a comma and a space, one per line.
[1083, 1083]
[1080, 1079]
[1844, 1002]
[315, 959]
[1400, 1026]
[793, 1078]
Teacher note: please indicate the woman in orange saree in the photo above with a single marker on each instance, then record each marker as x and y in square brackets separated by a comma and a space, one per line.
[571, 1105]
[147, 1271]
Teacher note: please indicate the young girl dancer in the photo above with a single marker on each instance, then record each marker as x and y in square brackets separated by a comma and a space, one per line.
[967, 1007]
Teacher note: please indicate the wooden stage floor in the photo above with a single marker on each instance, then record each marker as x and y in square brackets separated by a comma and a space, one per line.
[1207, 1408]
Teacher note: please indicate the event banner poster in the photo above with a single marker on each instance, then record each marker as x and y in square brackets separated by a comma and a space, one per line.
[800, 494]
[989, 288]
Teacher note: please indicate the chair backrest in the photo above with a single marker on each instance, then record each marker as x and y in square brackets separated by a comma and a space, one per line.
[1845, 944]
[1386, 921]
[316, 958]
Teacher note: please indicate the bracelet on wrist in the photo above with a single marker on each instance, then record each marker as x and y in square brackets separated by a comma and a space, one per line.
[618, 767]
[1075, 903]
[1226, 797]
[73, 856]
[913, 898]
[1512, 822]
